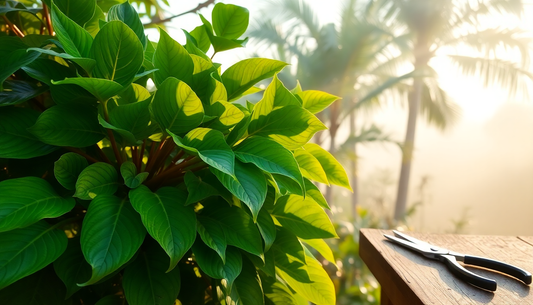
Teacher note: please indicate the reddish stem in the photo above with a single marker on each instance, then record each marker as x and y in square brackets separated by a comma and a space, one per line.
[83, 154]
[13, 27]
[102, 154]
[48, 20]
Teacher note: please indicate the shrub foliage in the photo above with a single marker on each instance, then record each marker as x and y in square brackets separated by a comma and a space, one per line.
[130, 174]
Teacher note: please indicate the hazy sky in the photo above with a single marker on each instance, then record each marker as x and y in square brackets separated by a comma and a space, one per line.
[480, 169]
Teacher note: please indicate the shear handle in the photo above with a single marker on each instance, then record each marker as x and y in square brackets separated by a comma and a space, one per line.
[467, 276]
[511, 270]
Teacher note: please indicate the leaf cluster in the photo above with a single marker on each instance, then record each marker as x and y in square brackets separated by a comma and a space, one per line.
[118, 191]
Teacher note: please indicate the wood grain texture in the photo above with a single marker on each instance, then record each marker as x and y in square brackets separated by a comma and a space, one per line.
[408, 278]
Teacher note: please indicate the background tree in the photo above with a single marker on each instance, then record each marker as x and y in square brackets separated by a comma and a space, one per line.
[455, 30]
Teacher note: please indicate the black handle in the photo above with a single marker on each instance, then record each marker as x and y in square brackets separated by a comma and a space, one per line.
[467, 276]
[511, 270]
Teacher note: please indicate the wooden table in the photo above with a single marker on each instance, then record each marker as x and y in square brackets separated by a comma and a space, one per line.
[408, 278]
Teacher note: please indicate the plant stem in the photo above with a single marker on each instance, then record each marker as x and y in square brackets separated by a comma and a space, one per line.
[194, 10]
[169, 173]
[134, 156]
[141, 156]
[13, 27]
[102, 154]
[112, 137]
[154, 154]
[162, 156]
[48, 20]
[83, 154]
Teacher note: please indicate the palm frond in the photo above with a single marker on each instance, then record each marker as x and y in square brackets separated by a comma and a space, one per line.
[498, 72]
[367, 134]
[436, 106]
[300, 10]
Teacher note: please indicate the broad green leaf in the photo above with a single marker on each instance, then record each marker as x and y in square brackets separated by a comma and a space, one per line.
[210, 146]
[86, 63]
[275, 97]
[212, 265]
[321, 291]
[132, 94]
[39, 243]
[249, 185]
[316, 101]
[25, 201]
[239, 130]
[75, 40]
[93, 26]
[269, 156]
[16, 142]
[213, 236]
[118, 53]
[203, 80]
[68, 168]
[75, 126]
[304, 217]
[15, 6]
[310, 166]
[238, 227]
[192, 46]
[127, 136]
[111, 234]
[45, 70]
[226, 115]
[102, 89]
[79, 11]
[266, 227]
[219, 94]
[252, 90]
[297, 89]
[289, 256]
[134, 118]
[145, 281]
[198, 189]
[167, 220]
[246, 73]
[221, 43]
[71, 267]
[208, 178]
[127, 14]
[202, 40]
[277, 293]
[172, 60]
[43, 287]
[14, 60]
[230, 21]
[287, 185]
[111, 300]
[129, 173]
[334, 170]
[322, 247]
[176, 107]
[247, 288]
[72, 95]
[17, 92]
[96, 179]
[314, 193]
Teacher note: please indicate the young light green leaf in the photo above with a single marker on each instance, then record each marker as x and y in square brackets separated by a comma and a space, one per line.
[322, 247]
[251, 90]
[71, 267]
[269, 156]
[111, 234]
[221, 43]
[230, 21]
[316, 101]
[304, 217]
[334, 170]
[249, 185]
[96, 179]
[238, 227]
[102, 89]
[202, 40]
[75, 40]
[275, 97]
[16, 142]
[127, 14]
[213, 266]
[39, 243]
[210, 146]
[226, 115]
[287, 185]
[198, 189]
[310, 166]
[246, 73]
[68, 168]
[132, 94]
[172, 60]
[145, 281]
[25, 201]
[78, 11]
[93, 25]
[289, 256]
[320, 291]
[74, 126]
[118, 53]
[277, 293]
[176, 107]
[314, 193]
[130, 176]
[213, 236]
[166, 218]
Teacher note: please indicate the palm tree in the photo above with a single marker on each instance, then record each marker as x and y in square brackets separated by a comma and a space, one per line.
[358, 52]
[455, 29]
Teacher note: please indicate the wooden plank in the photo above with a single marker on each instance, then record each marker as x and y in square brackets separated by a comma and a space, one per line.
[409, 278]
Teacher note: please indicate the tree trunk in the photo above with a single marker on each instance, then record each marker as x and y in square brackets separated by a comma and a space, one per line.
[353, 169]
[415, 98]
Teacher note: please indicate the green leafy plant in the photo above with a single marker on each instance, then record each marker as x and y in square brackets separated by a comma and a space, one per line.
[115, 191]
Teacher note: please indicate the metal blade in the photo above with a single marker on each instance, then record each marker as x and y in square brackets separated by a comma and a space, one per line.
[423, 249]
[411, 239]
